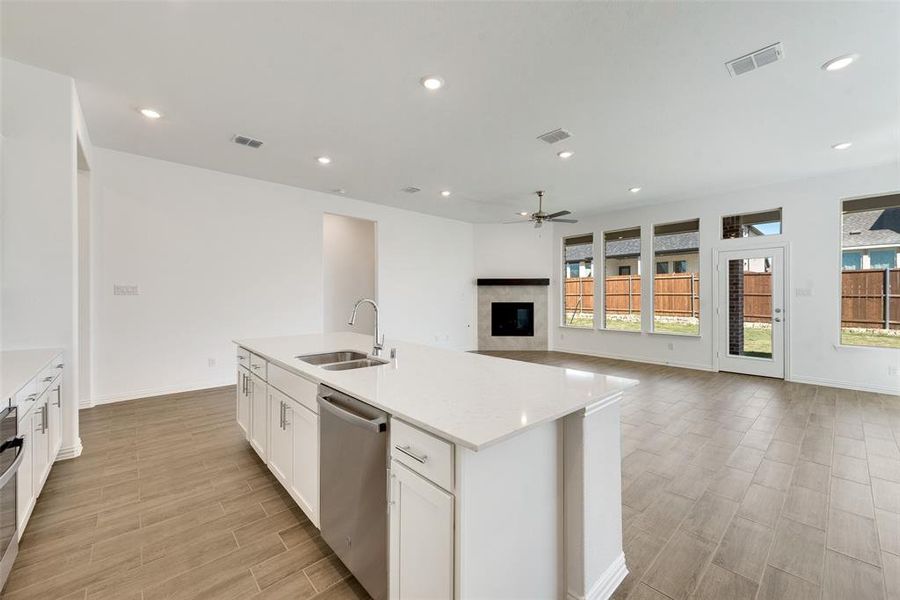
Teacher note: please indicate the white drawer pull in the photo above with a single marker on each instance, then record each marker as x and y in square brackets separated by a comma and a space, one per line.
[422, 458]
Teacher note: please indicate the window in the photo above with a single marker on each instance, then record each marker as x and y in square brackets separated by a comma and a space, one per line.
[662, 268]
[578, 289]
[883, 259]
[676, 296]
[851, 261]
[870, 279]
[622, 279]
[679, 266]
[752, 225]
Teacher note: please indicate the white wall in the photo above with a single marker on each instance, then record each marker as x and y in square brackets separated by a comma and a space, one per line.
[41, 123]
[514, 250]
[811, 228]
[349, 271]
[218, 257]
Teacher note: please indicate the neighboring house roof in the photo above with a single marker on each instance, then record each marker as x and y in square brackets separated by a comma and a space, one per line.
[879, 227]
[579, 252]
[672, 243]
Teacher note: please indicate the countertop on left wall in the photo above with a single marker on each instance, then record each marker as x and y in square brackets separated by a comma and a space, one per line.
[18, 367]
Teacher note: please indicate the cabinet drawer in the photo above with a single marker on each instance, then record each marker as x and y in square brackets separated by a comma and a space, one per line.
[46, 377]
[258, 366]
[243, 357]
[25, 398]
[298, 388]
[425, 454]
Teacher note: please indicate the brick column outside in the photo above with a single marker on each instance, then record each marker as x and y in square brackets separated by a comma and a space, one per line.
[736, 307]
[731, 227]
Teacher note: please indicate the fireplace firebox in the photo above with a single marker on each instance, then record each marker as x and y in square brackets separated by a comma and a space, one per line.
[512, 319]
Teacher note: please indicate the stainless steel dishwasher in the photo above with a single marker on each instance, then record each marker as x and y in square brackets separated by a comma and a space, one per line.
[353, 454]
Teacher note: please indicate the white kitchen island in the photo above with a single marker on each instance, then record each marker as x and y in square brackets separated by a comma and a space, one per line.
[520, 494]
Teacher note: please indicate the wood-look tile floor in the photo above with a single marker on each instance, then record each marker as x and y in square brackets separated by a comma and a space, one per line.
[739, 487]
[733, 487]
[168, 501]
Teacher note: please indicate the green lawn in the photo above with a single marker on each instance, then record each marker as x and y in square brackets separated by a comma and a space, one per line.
[852, 338]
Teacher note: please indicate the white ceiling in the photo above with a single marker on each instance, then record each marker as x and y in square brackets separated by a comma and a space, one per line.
[642, 87]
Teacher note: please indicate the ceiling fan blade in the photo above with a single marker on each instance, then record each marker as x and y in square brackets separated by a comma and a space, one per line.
[561, 213]
[565, 220]
[517, 221]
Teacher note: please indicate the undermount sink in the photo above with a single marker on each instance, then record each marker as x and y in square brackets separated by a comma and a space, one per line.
[355, 364]
[325, 358]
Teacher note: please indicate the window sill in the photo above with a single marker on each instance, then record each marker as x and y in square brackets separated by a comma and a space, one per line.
[576, 328]
[690, 336]
[853, 348]
[638, 331]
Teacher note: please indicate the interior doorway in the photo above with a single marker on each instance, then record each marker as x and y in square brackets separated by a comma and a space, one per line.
[750, 311]
[350, 271]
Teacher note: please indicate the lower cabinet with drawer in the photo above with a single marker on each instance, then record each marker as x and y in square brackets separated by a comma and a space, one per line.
[421, 524]
[39, 414]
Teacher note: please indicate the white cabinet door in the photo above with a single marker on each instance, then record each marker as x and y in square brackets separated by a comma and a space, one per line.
[280, 440]
[54, 415]
[24, 476]
[41, 450]
[259, 403]
[243, 399]
[304, 427]
[421, 538]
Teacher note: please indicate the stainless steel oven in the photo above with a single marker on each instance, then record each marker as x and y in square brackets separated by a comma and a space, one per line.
[11, 454]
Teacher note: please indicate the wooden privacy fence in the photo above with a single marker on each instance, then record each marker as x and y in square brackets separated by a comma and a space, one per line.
[870, 298]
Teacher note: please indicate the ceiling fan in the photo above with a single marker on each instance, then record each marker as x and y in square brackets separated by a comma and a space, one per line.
[540, 216]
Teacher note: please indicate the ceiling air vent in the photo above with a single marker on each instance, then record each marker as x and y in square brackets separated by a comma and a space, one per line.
[411, 190]
[243, 140]
[557, 135]
[755, 60]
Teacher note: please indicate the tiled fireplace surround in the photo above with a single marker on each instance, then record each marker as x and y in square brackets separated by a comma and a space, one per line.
[513, 290]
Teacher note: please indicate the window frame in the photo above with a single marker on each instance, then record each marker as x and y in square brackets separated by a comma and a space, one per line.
[653, 227]
[838, 304]
[562, 288]
[601, 323]
[721, 234]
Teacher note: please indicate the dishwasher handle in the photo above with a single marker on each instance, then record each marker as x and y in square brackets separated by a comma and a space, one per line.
[377, 424]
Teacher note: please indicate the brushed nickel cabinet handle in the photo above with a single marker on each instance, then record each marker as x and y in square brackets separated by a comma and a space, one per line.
[421, 458]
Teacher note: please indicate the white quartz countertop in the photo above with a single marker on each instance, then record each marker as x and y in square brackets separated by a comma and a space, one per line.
[469, 399]
[17, 367]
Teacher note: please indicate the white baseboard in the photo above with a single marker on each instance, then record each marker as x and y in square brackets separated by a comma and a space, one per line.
[160, 391]
[73, 451]
[604, 587]
[847, 385]
[638, 359]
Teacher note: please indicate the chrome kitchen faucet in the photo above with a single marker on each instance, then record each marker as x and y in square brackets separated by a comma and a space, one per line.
[379, 339]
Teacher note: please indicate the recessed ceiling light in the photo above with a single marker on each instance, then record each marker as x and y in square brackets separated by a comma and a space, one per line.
[634, 190]
[338, 191]
[432, 82]
[841, 62]
[565, 154]
[323, 160]
[523, 214]
[445, 193]
[842, 145]
[150, 113]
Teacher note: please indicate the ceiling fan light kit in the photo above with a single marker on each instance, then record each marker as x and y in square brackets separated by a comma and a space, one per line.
[539, 217]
